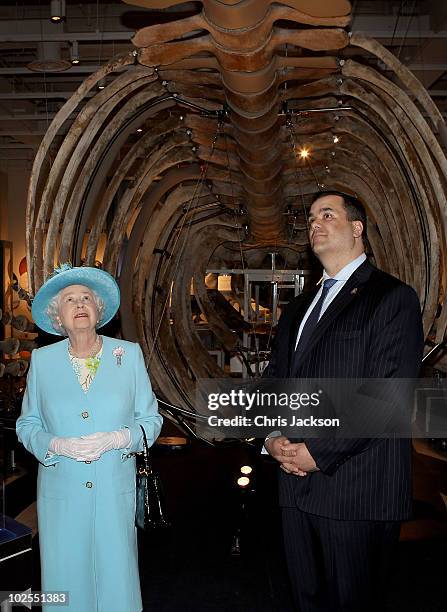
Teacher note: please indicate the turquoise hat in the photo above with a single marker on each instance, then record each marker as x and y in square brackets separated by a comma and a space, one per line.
[101, 282]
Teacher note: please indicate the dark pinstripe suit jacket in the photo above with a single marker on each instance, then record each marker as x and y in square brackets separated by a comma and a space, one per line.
[372, 329]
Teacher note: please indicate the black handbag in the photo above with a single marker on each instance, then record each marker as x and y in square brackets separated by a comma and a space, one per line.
[150, 512]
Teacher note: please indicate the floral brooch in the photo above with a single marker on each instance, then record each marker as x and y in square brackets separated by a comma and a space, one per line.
[118, 353]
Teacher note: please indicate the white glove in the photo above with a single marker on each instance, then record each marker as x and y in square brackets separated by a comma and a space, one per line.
[74, 448]
[104, 441]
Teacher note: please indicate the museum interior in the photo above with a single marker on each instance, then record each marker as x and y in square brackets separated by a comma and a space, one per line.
[178, 146]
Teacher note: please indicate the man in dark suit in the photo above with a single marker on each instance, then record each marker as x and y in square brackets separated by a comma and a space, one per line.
[343, 499]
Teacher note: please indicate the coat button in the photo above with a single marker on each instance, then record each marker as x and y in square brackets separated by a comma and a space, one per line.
[84, 415]
[89, 484]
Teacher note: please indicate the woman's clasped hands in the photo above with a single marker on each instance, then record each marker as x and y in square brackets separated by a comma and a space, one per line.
[90, 447]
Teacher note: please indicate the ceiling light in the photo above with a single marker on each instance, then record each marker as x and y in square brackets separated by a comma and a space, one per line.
[102, 83]
[139, 130]
[57, 11]
[74, 52]
[304, 153]
[48, 58]
[246, 469]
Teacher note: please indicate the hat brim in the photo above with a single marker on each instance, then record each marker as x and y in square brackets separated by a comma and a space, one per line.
[99, 281]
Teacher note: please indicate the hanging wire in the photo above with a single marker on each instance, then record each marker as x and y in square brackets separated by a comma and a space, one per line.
[422, 60]
[195, 197]
[308, 160]
[402, 4]
[289, 125]
[45, 89]
[407, 29]
[240, 241]
[233, 196]
[100, 30]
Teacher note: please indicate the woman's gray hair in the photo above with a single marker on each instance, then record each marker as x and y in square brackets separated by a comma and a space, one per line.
[53, 310]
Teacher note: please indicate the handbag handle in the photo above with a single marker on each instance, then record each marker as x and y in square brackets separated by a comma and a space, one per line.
[147, 468]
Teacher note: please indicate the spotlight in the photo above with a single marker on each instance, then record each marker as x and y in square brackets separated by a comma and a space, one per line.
[139, 130]
[243, 482]
[336, 139]
[74, 52]
[304, 153]
[57, 11]
[246, 469]
[49, 58]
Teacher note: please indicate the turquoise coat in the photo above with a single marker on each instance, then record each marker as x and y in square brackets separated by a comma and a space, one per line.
[86, 511]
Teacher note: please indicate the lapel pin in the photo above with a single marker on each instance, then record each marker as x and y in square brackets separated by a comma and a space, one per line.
[118, 352]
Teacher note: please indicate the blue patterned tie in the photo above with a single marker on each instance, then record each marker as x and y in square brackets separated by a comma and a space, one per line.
[311, 324]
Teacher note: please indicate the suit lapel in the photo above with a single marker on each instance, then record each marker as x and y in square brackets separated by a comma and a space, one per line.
[296, 321]
[349, 293]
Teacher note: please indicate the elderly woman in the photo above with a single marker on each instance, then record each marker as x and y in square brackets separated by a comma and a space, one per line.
[85, 400]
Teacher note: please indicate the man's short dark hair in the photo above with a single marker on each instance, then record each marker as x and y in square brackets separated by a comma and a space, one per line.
[355, 210]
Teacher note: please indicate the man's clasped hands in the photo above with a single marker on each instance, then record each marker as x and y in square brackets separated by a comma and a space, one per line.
[294, 457]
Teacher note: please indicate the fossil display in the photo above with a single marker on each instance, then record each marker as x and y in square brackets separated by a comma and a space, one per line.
[201, 154]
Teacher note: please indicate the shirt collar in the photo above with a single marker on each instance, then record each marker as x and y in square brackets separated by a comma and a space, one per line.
[348, 270]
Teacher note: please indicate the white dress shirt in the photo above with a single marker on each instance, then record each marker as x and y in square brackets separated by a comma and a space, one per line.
[341, 278]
